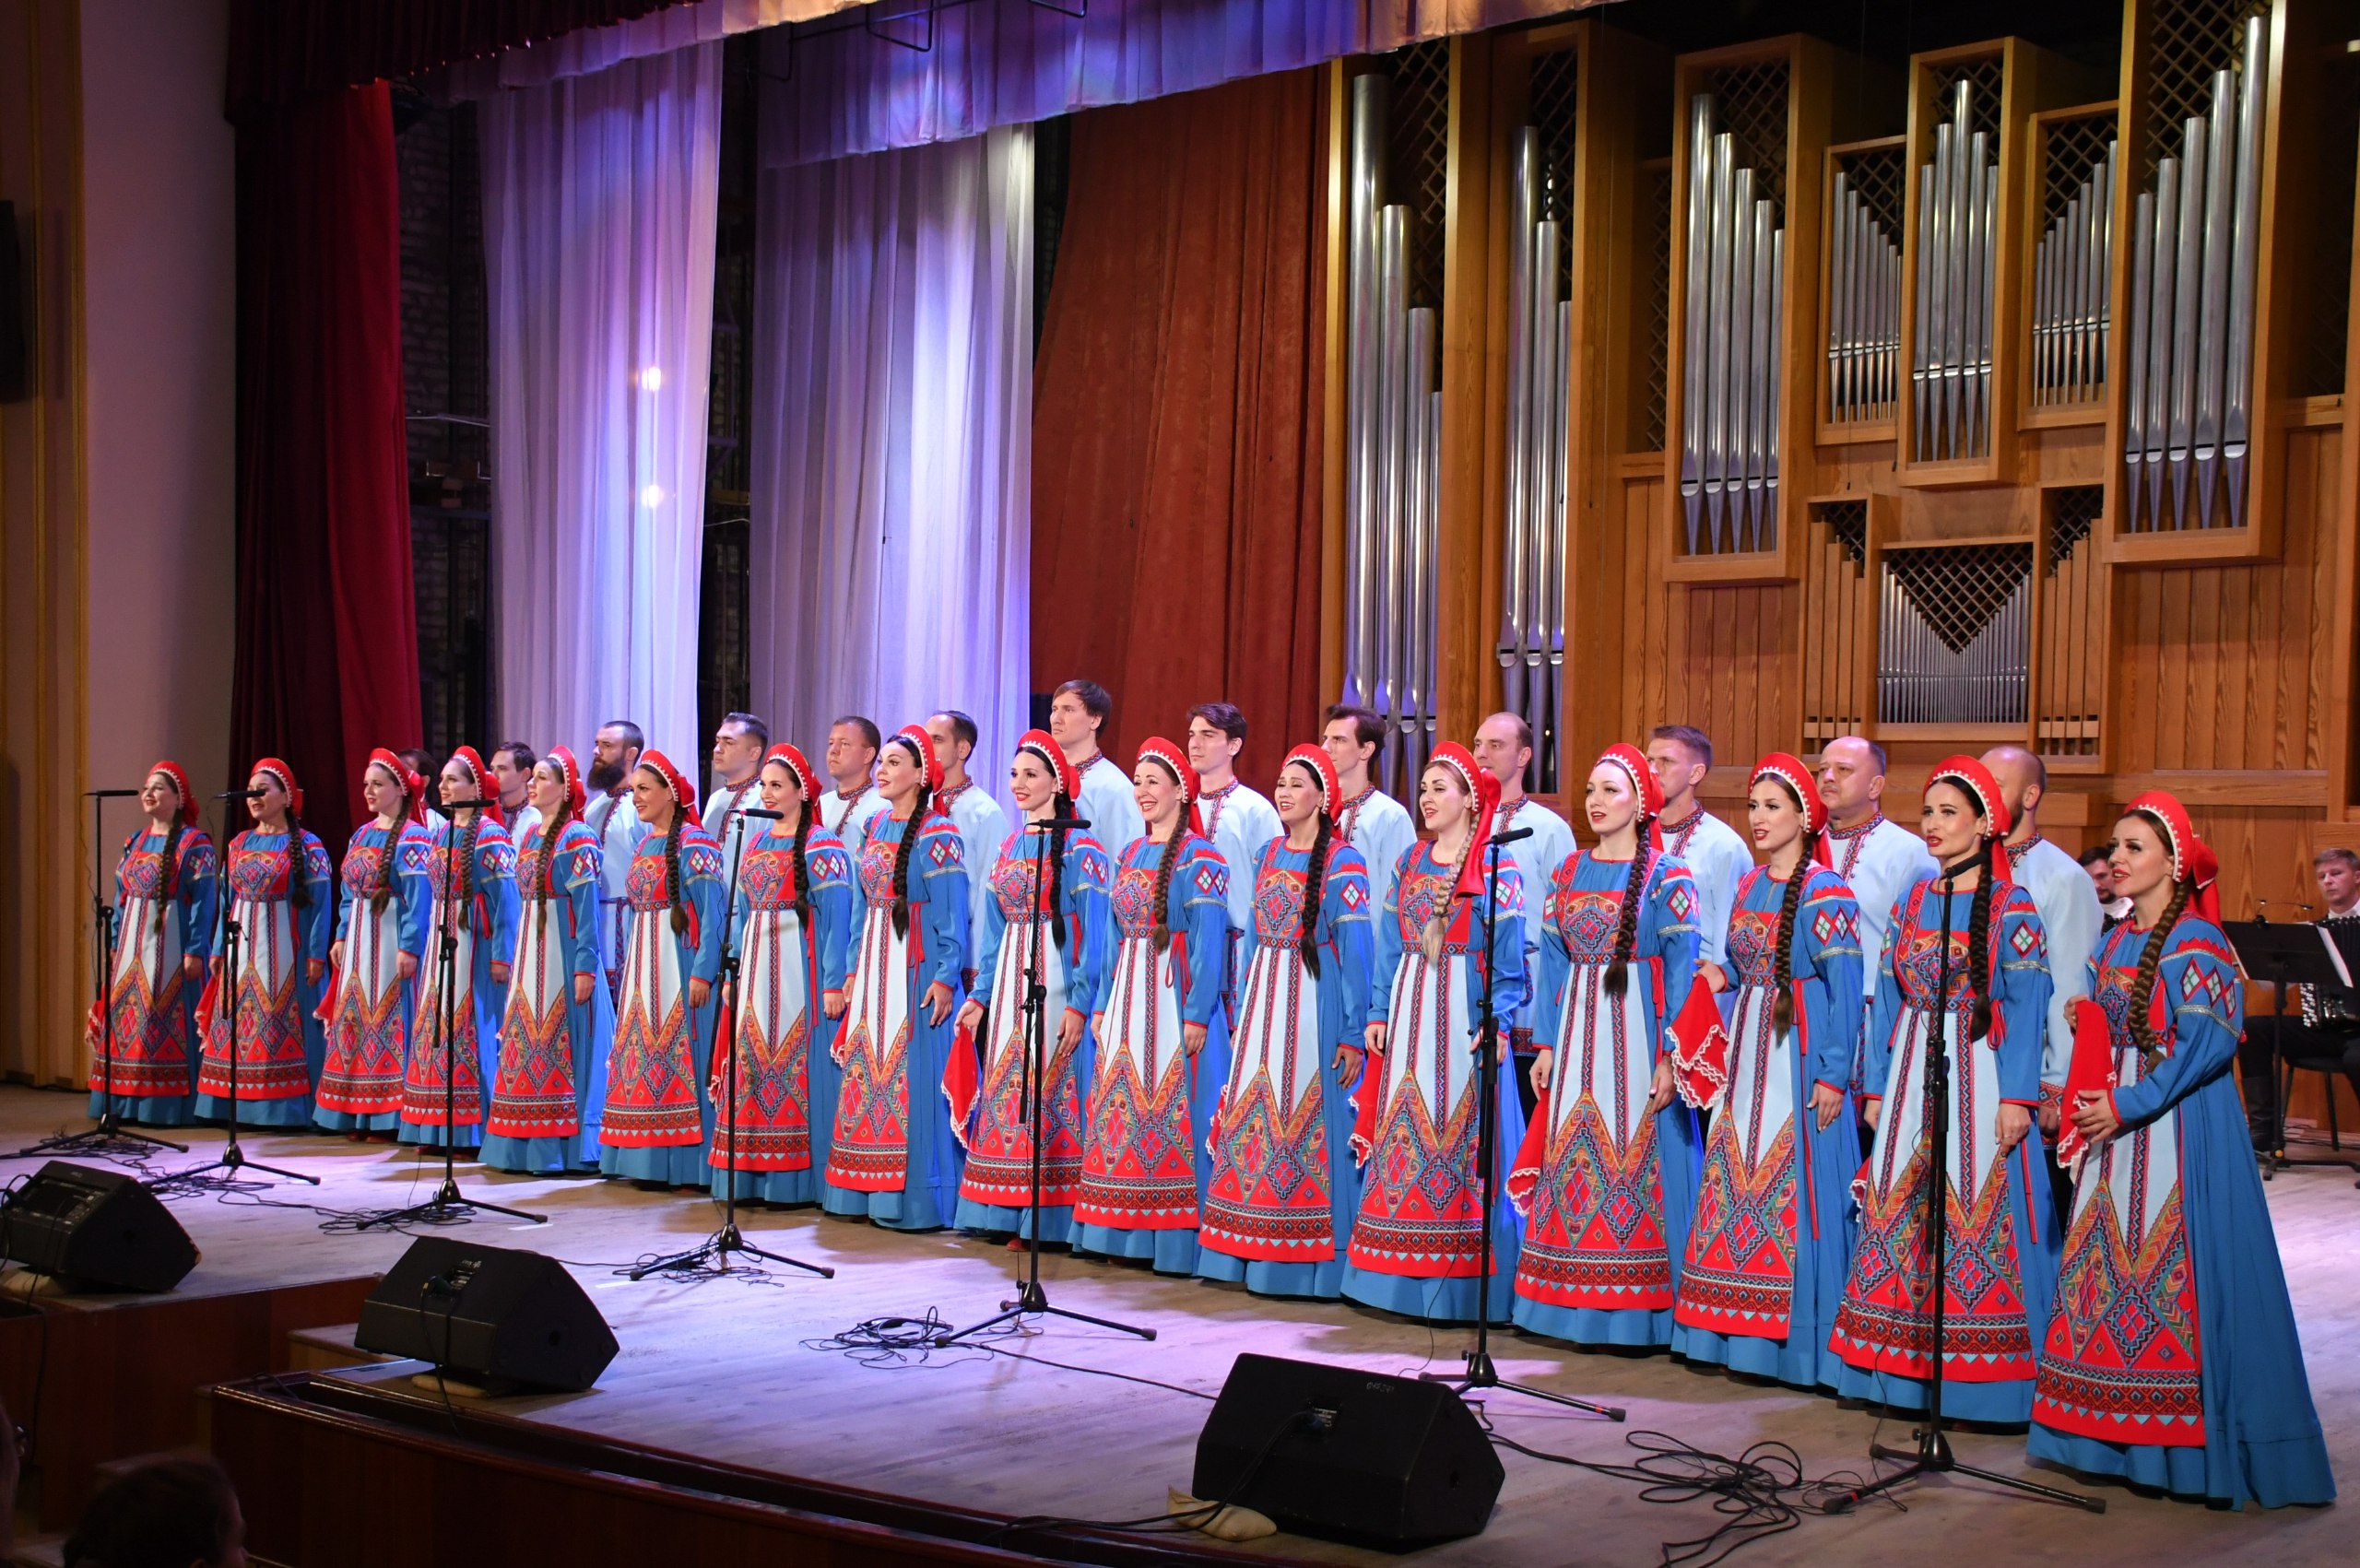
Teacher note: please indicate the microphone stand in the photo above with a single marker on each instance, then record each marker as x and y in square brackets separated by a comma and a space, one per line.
[1932, 1455]
[1481, 1372]
[233, 1158]
[1032, 1297]
[110, 1136]
[711, 1255]
[449, 1205]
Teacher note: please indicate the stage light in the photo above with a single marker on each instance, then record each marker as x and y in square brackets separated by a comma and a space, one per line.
[652, 497]
[651, 379]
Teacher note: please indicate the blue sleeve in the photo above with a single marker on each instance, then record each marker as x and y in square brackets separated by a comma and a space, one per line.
[701, 884]
[1089, 928]
[2023, 999]
[414, 892]
[1344, 906]
[1556, 966]
[1672, 929]
[582, 878]
[496, 890]
[345, 896]
[939, 860]
[321, 882]
[1200, 887]
[200, 899]
[1510, 983]
[1884, 1011]
[2207, 1004]
[835, 910]
[1389, 945]
[2073, 941]
[989, 925]
[1827, 929]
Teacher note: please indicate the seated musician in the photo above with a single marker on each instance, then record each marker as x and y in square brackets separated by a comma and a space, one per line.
[2326, 1033]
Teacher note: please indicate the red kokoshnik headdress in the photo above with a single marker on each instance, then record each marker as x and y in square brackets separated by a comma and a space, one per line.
[1633, 762]
[1485, 789]
[413, 788]
[1322, 769]
[178, 775]
[684, 798]
[480, 775]
[921, 747]
[2192, 859]
[1969, 776]
[1041, 744]
[286, 777]
[569, 769]
[807, 778]
[1176, 762]
[1789, 770]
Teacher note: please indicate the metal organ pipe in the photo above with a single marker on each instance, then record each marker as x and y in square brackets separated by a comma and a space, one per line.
[1730, 433]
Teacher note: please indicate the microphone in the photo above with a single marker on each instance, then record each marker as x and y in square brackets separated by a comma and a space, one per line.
[239, 795]
[108, 794]
[758, 812]
[1512, 835]
[1047, 823]
[2262, 904]
[477, 800]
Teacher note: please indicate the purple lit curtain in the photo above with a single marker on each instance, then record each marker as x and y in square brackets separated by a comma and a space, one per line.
[599, 195]
[956, 72]
[890, 549]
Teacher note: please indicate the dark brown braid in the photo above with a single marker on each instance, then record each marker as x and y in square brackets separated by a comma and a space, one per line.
[466, 899]
[297, 893]
[1164, 865]
[1315, 888]
[168, 879]
[803, 864]
[1782, 974]
[918, 807]
[1061, 806]
[551, 830]
[1978, 947]
[1626, 926]
[389, 861]
[672, 872]
[2151, 957]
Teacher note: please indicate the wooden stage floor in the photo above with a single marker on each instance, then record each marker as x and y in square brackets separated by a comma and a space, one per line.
[721, 1370]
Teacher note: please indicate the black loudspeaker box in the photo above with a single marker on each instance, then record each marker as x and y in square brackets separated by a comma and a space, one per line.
[95, 1227]
[503, 1318]
[1348, 1455]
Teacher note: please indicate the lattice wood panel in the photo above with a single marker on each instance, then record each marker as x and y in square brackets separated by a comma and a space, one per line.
[2188, 41]
[1417, 171]
[1750, 105]
[1554, 109]
[1658, 391]
[1953, 635]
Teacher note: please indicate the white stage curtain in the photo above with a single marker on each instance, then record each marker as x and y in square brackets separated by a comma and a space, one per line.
[598, 195]
[892, 466]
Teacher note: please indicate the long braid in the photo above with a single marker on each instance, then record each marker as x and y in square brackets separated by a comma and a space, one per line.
[297, 893]
[1314, 887]
[1979, 948]
[389, 861]
[168, 880]
[1163, 868]
[1626, 925]
[1782, 979]
[672, 873]
[1063, 807]
[551, 830]
[2150, 959]
[1438, 926]
[924, 799]
[803, 864]
[467, 896]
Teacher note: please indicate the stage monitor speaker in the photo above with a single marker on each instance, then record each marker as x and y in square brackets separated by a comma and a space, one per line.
[499, 1315]
[1348, 1455]
[95, 1227]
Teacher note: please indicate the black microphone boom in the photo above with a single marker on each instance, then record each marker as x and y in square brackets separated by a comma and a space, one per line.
[1512, 835]
[757, 811]
[239, 795]
[1045, 823]
[108, 794]
[477, 800]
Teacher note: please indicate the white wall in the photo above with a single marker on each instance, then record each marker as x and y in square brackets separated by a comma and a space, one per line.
[160, 346]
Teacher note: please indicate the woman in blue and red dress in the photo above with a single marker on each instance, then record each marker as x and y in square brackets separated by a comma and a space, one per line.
[380, 936]
[1062, 936]
[894, 1159]
[1773, 1233]
[2171, 1360]
[551, 1086]
[1610, 1163]
[1162, 1055]
[2002, 1244]
[795, 923]
[166, 900]
[658, 1116]
[1285, 1187]
[280, 889]
[481, 906]
[1416, 1243]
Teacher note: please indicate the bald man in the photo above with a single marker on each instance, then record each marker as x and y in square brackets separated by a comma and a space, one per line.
[2070, 913]
[1880, 858]
[1503, 749]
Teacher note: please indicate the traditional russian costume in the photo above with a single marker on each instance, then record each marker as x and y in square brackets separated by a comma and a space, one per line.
[893, 1156]
[1774, 1230]
[1241, 822]
[1613, 1184]
[1279, 1211]
[1145, 1162]
[2001, 1238]
[1416, 1242]
[1717, 858]
[780, 1036]
[659, 1115]
[1536, 859]
[550, 1088]
[1880, 860]
[1107, 801]
[1380, 826]
[983, 828]
[372, 1009]
[164, 915]
[2171, 1360]
[279, 1040]
[482, 905]
[996, 1194]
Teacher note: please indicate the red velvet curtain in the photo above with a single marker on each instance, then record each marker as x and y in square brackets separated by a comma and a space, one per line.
[1177, 415]
[327, 631]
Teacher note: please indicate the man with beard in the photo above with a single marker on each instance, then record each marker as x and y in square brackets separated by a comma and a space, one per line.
[616, 820]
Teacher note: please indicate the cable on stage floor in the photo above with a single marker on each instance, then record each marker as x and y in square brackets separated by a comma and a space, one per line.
[1165, 1523]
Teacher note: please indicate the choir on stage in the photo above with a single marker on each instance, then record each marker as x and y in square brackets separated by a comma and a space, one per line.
[1161, 1020]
